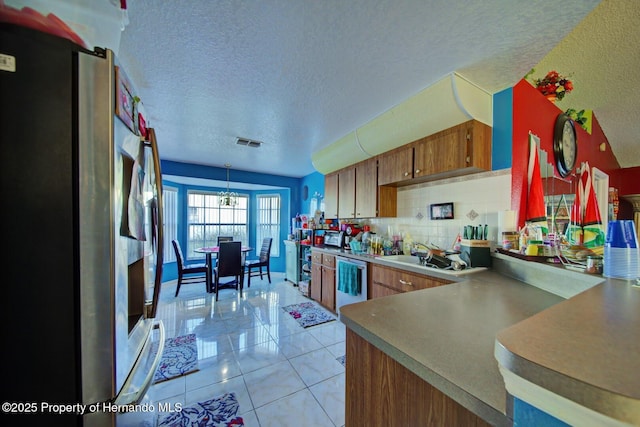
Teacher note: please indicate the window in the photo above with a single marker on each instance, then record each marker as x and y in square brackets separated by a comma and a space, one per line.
[170, 214]
[207, 220]
[268, 221]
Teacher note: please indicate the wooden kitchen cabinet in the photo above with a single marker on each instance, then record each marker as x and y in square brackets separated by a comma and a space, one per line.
[366, 197]
[390, 281]
[458, 150]
[331, 196]
[347, 193]
[382, 392]
[396, 165]
[358, 193]
[323, 279]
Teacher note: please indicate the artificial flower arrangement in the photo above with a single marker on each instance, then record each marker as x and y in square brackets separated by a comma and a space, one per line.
[554, 84]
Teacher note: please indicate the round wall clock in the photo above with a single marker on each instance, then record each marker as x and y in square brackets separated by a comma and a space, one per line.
[565, 144]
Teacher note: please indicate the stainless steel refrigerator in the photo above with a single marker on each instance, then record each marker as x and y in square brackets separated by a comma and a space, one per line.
[81, 195]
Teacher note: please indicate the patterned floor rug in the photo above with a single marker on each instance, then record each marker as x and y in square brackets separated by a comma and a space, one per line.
[220, 411]
[309, 314]
[179, 357]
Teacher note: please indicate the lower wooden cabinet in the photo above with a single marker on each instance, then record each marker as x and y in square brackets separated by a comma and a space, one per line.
[389, 281]
[382, 392]
[323, 279]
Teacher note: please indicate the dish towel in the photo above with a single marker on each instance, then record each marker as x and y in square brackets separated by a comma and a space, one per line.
[349, 279]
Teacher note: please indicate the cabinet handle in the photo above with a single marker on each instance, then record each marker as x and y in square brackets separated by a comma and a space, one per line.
[418, 171]
[404, 282]
[468, 159]
[406, 174]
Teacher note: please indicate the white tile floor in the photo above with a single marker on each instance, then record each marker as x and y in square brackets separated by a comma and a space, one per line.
[282, 374]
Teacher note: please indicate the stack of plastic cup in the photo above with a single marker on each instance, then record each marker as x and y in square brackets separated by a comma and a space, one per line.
[621, 256]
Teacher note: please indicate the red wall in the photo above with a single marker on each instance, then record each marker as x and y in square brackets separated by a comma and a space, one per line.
[532, 112]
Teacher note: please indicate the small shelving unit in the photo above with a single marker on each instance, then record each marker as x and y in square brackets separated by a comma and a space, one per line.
[305, 262]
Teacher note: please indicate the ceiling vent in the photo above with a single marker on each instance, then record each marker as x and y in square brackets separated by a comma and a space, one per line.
[248, 142]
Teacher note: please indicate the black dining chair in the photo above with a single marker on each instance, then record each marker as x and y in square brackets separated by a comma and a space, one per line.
[224, 239]
[229, 265]
[254, 267]
[194, 273]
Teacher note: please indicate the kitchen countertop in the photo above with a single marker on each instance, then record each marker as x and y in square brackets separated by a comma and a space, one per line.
[446, 335]
[584, 348]
[382, 260]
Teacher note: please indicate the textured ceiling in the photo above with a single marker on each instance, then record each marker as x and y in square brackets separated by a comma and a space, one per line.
[603, 55]
[300, 74]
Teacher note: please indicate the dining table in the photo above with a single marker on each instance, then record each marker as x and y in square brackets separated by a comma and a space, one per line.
[209, 252]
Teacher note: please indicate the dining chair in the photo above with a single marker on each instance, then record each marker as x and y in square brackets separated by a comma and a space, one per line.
[193, 273]
[254, 267]
[229, 265]
[223, 239]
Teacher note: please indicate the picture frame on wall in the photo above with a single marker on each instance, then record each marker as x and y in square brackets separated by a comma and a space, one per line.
[441, 210]
[125, 101]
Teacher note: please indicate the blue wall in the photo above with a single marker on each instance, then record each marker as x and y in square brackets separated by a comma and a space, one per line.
[502, 129]
[315, 184]
[290, 194]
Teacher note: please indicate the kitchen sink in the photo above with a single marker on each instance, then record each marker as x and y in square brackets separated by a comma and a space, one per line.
[414, 263]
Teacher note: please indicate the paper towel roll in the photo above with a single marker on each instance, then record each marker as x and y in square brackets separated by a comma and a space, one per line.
[507, 221]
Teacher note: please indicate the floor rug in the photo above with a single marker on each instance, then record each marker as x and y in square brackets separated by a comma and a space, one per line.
[309, 314]
[220, 411]
[179, 357]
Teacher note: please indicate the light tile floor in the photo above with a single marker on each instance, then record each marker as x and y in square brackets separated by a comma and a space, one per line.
[282, 374]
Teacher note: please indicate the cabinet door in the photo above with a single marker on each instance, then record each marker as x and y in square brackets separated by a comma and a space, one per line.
[329, 288]
[316, 282]
[442, 152]
[347, 193]
[331, 196]
[478, 136]
[366, 188]
[389, 281]
[395, 166]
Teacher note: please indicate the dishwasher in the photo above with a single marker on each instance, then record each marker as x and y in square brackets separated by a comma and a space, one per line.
[347, 264]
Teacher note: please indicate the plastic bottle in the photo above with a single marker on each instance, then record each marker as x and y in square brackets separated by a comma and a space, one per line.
[457, 246]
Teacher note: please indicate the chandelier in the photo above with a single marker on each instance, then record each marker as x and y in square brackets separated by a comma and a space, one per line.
[228, 198]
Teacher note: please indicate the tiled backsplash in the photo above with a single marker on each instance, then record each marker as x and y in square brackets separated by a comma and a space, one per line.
[486, 194]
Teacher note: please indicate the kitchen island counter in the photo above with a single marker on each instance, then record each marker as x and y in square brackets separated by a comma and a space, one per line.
[446, 335]
[583, 348]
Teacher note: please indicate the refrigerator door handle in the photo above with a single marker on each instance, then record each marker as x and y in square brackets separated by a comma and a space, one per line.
[160, 222]
[130, 393]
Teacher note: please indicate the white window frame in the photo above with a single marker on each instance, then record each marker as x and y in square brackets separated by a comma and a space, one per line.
[170, 216]
[268, 220]
[206, 220]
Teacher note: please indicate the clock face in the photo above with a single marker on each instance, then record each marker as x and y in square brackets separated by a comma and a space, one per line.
[565, 148]
[569, 145]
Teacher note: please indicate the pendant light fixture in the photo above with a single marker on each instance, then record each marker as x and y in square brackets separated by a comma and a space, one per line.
[228, 198]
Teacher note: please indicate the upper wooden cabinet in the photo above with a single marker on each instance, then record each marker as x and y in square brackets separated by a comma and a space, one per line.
[366, 197]
[357, 194]
[396, 165]
[347, 193]
[331, 196]
[367, 189]
[461, 149]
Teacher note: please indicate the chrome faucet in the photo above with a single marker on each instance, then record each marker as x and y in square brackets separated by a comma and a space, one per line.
[418, 245]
